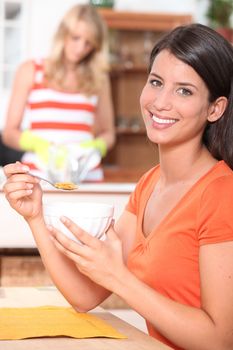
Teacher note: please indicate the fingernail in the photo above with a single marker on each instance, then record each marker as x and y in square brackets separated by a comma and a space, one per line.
[64, 219]
[49, 227]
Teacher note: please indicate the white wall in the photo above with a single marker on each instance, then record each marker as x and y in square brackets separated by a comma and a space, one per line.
[157, 6]
[40, 33]
[45, 16]
[196, 7]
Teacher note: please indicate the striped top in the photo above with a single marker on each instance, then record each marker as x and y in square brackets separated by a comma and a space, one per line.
[59, 117]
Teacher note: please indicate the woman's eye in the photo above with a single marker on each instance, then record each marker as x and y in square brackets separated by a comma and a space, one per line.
[184, 92]
[155, 82]
[75, 37]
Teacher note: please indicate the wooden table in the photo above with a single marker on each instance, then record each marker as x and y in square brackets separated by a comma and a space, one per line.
[29, 296]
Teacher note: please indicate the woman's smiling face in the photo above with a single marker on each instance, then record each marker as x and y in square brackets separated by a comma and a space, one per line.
[174, 102]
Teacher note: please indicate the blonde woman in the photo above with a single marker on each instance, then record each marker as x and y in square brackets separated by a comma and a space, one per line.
[67, 95]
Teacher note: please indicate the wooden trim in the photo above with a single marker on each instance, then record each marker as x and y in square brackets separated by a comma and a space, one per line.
[6, 252]
[143, 21]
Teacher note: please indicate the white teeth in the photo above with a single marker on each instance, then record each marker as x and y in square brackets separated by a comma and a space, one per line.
[163, 121]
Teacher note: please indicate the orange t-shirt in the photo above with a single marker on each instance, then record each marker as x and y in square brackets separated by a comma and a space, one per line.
[168, 259]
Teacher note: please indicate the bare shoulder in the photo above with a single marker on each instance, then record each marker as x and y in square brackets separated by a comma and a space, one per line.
[25, 72]
[105, 89]
[106, 78]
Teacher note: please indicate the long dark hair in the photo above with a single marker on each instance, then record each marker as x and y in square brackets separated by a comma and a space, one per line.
[211, 56]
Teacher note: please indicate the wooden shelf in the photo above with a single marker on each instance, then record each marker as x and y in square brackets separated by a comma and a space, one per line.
[135, 21]
[123, 174]
[122, 69]
[130, 131]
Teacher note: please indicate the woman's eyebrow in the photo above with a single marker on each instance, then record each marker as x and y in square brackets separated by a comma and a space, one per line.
[179, 83]
[155, 75]
[186, 83]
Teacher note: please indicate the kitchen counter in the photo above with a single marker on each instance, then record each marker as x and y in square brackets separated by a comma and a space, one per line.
[101, 188]
[116, 188]
[16, 234]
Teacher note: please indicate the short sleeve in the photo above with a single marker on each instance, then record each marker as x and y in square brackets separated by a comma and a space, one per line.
[132, 205]
[215, 215]
[141, 188]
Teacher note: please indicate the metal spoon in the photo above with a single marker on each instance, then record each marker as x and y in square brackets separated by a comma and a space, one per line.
[66, 186]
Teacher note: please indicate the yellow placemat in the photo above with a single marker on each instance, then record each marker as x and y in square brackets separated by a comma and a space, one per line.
[50, 321]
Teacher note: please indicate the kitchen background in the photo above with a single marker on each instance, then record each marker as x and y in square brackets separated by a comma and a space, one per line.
[26, 30]
[27, 26]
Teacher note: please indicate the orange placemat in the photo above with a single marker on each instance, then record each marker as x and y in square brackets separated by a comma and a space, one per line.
[51, 321]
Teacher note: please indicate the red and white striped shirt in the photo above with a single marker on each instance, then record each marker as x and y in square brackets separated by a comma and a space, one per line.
[59, 117]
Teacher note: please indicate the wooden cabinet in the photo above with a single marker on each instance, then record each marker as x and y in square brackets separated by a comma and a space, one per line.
[131, 38]
[24, 267]
[23, 271]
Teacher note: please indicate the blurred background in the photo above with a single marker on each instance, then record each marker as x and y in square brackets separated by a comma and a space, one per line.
[27, 26]
[26, 30]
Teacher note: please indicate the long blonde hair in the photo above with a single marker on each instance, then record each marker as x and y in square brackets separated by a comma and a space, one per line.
[91, 70]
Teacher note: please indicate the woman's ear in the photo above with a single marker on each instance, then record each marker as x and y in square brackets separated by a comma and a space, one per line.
[217, 109]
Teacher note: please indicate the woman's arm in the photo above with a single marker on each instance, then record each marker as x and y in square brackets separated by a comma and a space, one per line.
[104, 126]
[81, 292]
[211, 326]
[18, 100]
[25, 196]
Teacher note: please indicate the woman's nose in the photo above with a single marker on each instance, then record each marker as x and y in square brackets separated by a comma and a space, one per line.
[81, 46]
[163, 100]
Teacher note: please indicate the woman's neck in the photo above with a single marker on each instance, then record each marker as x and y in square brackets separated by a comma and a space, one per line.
[69, 66]
[184, 165]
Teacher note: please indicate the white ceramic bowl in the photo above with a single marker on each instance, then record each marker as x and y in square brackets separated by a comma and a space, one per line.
[95, 218]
